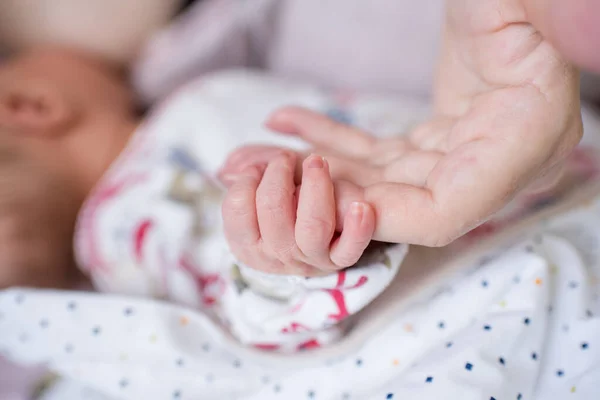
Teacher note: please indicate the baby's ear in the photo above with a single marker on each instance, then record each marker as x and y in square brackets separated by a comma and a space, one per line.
[34, 109]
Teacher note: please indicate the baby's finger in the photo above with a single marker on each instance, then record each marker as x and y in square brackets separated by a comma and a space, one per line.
[275, 200]
[239, 212]
[322, 132]
[245, 157]
[359, 225]
[315, 222]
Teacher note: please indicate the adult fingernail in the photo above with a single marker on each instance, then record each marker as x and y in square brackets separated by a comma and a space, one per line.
[316, 162]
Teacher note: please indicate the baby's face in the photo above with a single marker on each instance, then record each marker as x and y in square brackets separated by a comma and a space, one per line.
[63, 119]
[69, 112]
[72, 76]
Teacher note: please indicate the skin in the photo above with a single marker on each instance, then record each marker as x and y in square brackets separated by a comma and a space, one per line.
[69, 112]
[64, 118]
[507, 113]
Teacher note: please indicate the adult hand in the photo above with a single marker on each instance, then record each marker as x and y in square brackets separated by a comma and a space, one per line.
[507, 113]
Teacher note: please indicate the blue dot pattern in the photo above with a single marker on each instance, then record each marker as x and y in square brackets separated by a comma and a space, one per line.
[509, 319]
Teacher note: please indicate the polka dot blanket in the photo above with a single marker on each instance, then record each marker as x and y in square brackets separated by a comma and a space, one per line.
[511, 311]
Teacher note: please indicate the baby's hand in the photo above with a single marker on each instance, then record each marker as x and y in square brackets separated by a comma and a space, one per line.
[276, 226]
[251, 156]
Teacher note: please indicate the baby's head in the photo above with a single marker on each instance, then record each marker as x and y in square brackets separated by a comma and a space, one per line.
[63, 119]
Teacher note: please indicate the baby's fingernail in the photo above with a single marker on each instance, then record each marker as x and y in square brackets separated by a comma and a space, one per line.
[316, 162]
[357, 211]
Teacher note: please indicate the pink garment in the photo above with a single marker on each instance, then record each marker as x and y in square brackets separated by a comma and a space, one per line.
[376, 45]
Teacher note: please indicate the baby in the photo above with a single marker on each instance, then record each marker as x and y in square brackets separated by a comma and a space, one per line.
[147, 200]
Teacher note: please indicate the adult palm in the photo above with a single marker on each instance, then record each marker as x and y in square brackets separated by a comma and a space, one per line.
[507, 113]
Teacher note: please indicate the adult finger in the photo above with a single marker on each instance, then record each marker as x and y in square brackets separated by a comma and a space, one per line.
[359, 173]
[322, 132]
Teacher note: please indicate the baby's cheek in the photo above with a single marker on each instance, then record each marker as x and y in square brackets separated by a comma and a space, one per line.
[12, 275]
[6, 277]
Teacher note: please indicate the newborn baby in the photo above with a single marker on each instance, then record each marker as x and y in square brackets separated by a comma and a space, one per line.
[147, 200]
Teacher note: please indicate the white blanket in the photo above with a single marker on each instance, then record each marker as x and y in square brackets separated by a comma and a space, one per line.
[520, 323]
[514, 319]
